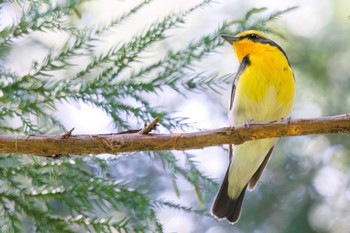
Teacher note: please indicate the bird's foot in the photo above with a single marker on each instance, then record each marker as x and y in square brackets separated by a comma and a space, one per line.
[247, 123]
[287, 120]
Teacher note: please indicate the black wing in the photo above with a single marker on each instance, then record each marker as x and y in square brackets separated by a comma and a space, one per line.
[245, 62]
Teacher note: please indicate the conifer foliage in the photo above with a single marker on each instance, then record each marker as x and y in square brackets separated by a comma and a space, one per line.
[87, 193]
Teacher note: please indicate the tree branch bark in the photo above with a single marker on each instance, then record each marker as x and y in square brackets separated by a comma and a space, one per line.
[51, 145]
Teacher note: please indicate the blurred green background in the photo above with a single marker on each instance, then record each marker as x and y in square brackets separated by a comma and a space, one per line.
[306, 186]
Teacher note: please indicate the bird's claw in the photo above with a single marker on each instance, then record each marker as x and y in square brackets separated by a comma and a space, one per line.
[288, 120]
[247, 123]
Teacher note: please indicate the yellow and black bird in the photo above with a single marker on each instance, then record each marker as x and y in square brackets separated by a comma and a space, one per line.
[263, 90]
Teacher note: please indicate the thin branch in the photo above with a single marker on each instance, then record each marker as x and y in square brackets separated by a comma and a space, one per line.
[150, 127]
[68, 134]
[46, 145]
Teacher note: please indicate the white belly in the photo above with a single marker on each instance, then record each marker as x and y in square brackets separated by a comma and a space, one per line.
[248, 156]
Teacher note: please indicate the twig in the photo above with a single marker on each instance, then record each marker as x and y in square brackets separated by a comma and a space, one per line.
[150, 127]
[67, 134]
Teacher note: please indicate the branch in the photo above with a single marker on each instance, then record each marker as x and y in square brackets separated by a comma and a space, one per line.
[47, 145]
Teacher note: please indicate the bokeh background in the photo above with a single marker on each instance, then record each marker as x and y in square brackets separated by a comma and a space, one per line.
[306, 186]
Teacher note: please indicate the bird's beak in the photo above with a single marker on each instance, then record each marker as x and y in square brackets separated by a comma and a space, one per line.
[230, 39]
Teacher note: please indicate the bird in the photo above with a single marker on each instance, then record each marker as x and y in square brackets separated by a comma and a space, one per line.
[263, 90]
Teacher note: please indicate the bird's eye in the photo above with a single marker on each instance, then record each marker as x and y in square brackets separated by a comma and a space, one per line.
[253, 36]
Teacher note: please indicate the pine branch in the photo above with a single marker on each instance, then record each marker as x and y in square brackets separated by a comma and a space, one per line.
[45, 145]
[32, 20]
[40, 89]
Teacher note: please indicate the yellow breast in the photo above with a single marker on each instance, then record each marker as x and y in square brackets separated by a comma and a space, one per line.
[265, 89]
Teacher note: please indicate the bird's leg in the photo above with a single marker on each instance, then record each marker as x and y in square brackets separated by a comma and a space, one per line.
[230, 152]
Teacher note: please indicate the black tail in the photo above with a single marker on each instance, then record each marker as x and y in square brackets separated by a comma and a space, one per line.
[226, 207]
